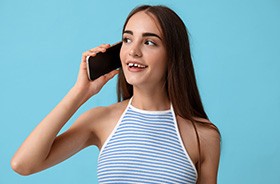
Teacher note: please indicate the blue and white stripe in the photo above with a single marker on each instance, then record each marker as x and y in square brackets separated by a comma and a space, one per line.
[145, 147]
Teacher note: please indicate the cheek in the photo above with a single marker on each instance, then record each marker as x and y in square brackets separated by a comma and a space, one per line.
[162, 66]
[160, 60]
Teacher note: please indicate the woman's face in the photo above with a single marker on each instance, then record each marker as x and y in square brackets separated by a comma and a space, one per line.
[143, 53]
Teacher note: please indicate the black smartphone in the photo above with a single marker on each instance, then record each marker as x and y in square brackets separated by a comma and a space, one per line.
[105, 62]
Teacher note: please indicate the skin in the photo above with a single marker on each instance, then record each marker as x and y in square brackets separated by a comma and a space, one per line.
[44, 148]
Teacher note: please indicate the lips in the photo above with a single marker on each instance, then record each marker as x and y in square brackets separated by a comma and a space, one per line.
[135, 66]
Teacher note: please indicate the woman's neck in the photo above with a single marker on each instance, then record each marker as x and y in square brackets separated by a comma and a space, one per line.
[155, 99]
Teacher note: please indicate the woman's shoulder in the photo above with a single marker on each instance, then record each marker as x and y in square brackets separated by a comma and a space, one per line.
[206, 128]
[209, 137]
[102, 120]
[105, 112]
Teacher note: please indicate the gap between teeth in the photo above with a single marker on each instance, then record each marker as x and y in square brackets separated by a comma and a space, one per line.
[136, 65]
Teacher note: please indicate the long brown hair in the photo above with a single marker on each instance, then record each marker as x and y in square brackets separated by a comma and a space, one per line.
[181, 84]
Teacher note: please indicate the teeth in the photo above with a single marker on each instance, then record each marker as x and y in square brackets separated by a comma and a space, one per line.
[136, 65]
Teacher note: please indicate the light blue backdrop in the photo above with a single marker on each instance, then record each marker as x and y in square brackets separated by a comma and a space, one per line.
[235, 48]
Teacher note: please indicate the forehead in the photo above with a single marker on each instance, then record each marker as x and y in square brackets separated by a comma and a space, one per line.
[143, 22]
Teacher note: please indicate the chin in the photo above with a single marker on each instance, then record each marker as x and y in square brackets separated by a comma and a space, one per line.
[132, 79]
[135, 81]
[132, 82]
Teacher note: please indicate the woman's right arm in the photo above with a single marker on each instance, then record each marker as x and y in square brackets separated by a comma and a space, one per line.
[43, 148]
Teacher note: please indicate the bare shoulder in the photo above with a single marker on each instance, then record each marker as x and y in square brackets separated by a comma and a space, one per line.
[101, 120]
[209, 137]
[102, 113]
[207, 129]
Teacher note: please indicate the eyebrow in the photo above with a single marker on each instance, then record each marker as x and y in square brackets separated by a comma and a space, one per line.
[147, 34]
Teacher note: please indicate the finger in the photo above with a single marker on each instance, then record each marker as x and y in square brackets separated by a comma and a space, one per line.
[101, 47]
[101, 81]
[97, 50]
[87, 54]
[94, 51]
[105, 78]
[110, 75]
[106, 46]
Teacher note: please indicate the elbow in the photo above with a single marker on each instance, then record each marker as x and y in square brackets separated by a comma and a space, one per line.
[20, 168]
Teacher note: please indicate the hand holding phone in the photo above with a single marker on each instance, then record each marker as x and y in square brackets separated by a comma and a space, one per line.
[103, 63]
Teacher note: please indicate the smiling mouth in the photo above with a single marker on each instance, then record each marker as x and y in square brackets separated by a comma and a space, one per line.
[136, 65]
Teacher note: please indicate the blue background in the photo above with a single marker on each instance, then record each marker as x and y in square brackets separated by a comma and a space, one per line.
[235, 47]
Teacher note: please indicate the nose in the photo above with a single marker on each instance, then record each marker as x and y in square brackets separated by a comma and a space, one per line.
[135, 51]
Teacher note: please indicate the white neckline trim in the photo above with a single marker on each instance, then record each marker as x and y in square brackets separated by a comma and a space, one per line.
[182, 144]
[147, 111]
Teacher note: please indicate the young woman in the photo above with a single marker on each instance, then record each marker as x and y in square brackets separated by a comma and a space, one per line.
[158, 132]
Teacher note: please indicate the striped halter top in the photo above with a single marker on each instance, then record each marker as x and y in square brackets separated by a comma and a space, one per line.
[145, 147]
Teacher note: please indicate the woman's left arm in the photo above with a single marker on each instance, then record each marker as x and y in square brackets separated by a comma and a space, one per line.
[210, 150]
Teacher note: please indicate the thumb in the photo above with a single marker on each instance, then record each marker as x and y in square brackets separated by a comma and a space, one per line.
[102, 80]
[111, 74]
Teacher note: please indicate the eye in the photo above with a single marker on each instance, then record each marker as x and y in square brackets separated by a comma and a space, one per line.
[149, 42]
[126, 40]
